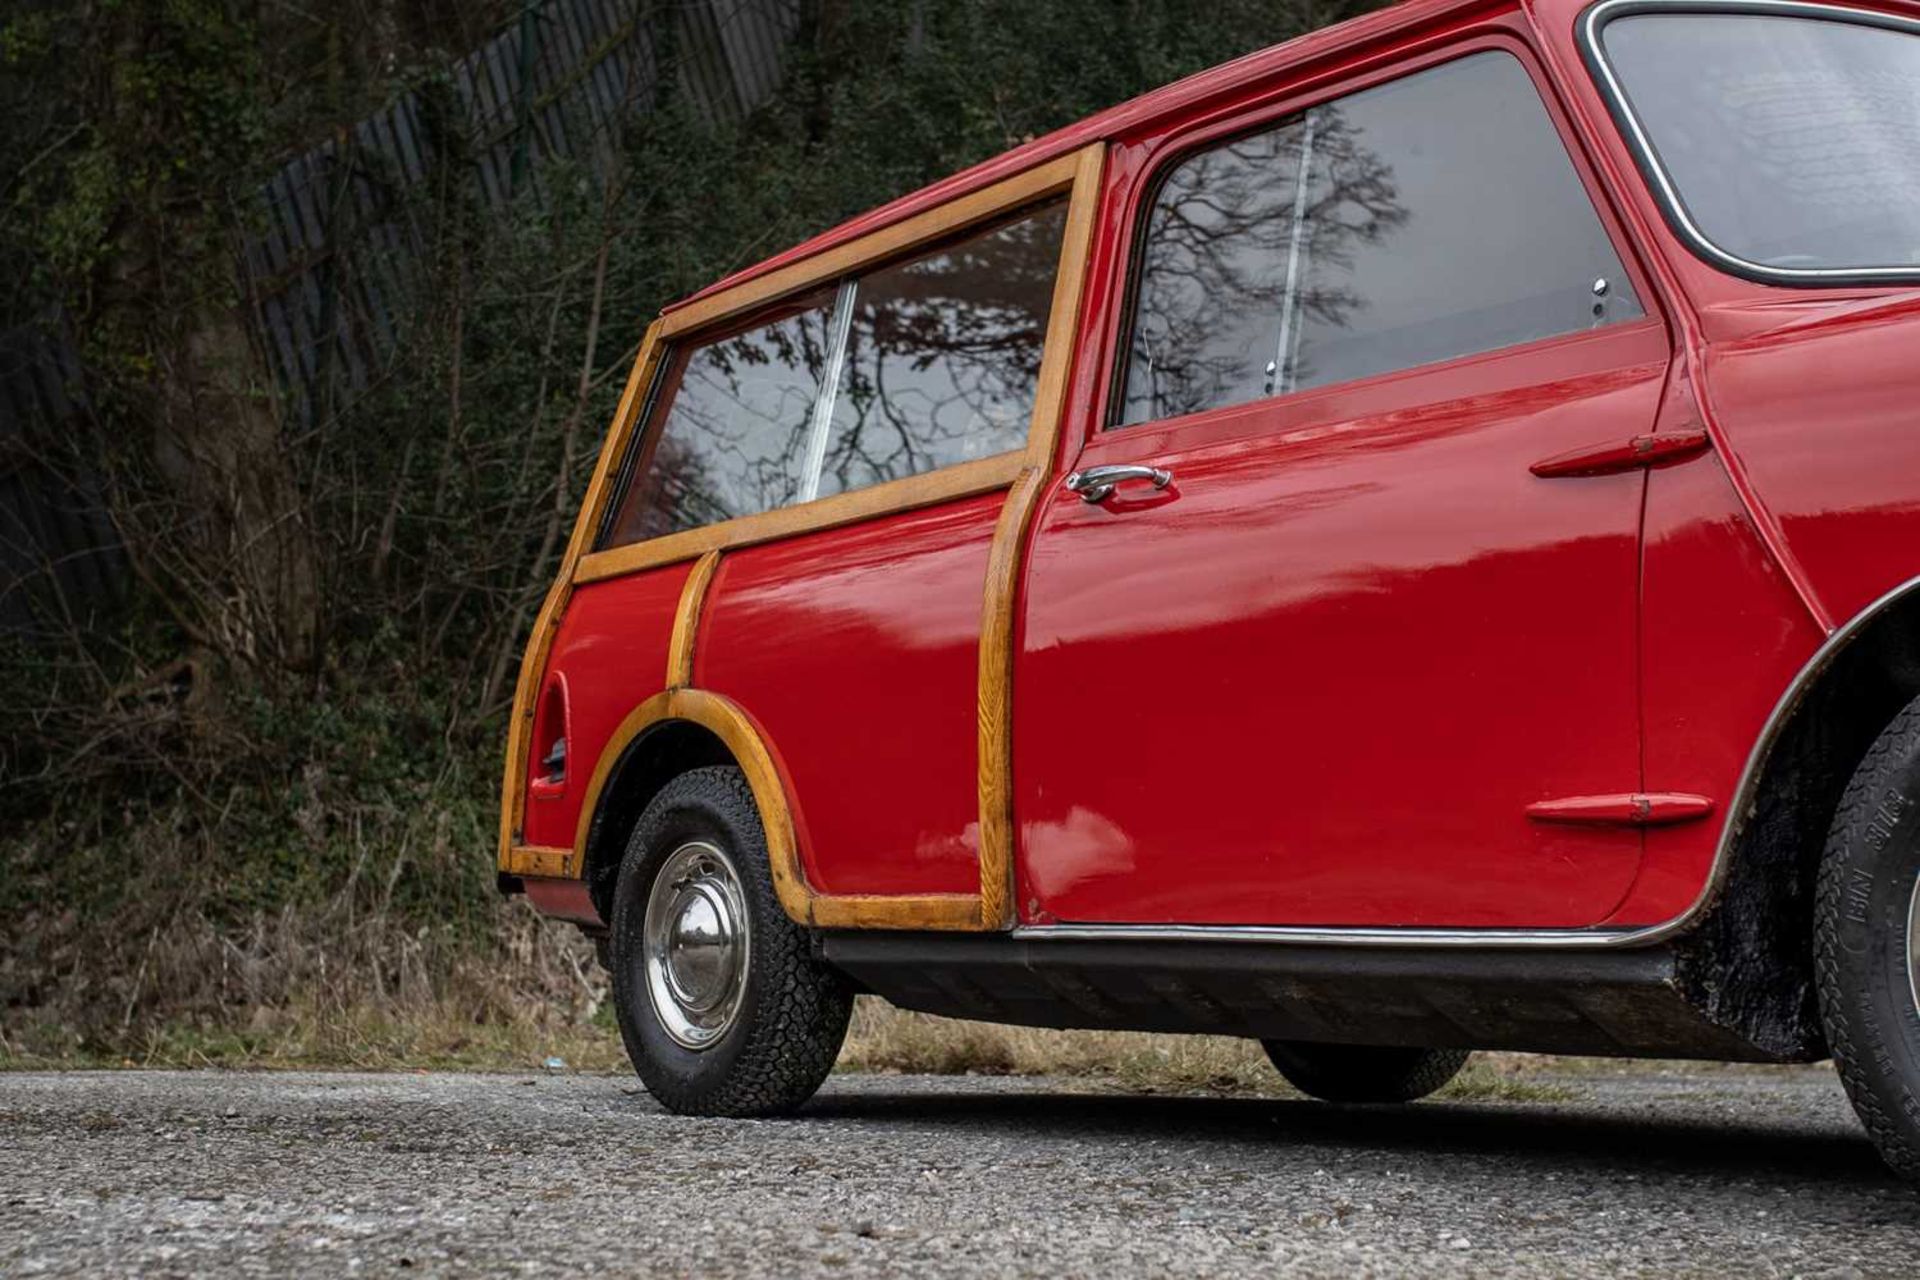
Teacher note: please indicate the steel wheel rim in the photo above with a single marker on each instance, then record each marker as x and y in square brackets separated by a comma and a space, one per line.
[696, 944]
[1913, 947]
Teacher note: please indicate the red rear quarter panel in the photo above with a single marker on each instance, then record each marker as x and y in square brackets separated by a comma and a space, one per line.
[855, 651]
[1824, 413]
[612, 650]
[1722, 635]
[1820, 411]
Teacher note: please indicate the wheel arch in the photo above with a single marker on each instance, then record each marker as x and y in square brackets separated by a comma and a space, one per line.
[668, 735]
[1748, 959]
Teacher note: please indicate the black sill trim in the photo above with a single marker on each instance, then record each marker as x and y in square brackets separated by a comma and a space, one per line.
[1623, 1003]
[1594, 21]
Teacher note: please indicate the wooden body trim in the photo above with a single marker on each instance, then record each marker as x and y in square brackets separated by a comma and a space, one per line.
[1022, 474]
[983, 475]
[686, 621]
[891, 241]
[999, 610]
[726, 721]
[540, 860]
[513, 791]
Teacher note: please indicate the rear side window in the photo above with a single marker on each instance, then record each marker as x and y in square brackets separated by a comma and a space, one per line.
[735, 425]
[943, 356]
[921, 364]
[1428, 218]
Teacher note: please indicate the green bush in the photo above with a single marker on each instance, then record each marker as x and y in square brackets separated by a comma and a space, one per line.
[298, 712]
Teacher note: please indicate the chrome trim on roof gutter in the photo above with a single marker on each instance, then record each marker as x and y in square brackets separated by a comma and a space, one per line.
[1665, 193]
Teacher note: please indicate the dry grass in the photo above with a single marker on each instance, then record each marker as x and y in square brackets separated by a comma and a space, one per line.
[887, 1039]
[334, 988]
[444, 1034]
[346, 990]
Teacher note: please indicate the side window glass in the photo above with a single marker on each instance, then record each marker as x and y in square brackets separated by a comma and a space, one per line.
[1428, 218]
[917, 365]
[943, 355]
[733, 438]
[1213, 278]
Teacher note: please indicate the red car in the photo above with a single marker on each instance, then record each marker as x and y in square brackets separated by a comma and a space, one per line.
[1400, 544]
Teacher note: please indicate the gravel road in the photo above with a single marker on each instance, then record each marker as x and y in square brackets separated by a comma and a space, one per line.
[1744, 1173]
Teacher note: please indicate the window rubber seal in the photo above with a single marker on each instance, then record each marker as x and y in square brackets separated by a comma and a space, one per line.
[1592, 24]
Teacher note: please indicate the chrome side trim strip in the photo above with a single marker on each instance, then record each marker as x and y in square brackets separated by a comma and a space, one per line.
[1668, 196]
[1324, 937]
[1737, 813]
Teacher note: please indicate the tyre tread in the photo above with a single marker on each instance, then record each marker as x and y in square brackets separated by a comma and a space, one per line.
[1364, 1073]
[800, 1019]
[1839, 1015]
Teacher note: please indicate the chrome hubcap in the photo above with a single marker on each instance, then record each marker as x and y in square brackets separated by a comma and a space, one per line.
[696, 944]
[1913, 947]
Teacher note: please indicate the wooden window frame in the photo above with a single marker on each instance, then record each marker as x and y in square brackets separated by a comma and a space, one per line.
[1060, 176]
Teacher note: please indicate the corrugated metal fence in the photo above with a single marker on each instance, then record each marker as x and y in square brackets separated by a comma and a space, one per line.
[336, 253]
[331, 265]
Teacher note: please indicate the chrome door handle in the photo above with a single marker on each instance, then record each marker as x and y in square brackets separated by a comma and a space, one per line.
[1095, 483]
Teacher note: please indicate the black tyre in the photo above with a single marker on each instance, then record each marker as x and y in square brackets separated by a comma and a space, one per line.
[723, 1008]
[1866, 941]
[1363, 1073]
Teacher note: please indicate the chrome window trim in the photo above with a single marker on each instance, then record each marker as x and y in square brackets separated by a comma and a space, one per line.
[840, 328]
[1646, 156]
[1737, 812]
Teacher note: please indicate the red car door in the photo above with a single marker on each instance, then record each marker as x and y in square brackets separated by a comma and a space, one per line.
[1310, 660]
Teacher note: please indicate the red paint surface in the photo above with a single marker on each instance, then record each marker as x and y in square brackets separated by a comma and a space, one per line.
[1321, 678]
[1722, 639]
[612, 649]
[1826, 419]
[857, 653]
[563, 900]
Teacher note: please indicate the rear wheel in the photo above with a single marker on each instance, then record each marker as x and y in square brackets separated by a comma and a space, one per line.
[1363, 1073]
[722, 1007]
[1866, 941]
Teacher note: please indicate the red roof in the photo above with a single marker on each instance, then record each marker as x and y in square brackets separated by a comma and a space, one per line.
[1229, 78]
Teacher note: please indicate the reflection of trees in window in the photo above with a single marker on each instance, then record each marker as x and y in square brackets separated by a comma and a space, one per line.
[1350, 200]
[735, 436]
[943, 355]
[940, 362]
[1231, 231]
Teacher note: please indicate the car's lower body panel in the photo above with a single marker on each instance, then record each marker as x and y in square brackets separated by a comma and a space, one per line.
[1623, 1003]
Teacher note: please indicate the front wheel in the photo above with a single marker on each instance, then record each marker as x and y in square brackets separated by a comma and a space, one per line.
[1363, 1073]
[721, 1004]
[1866, 941]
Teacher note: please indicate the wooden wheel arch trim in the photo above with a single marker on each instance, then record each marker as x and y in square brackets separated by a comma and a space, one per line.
[737, 732]
[1023, 475]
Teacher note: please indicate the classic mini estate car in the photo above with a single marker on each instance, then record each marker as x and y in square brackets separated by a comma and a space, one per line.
[1404, 543]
